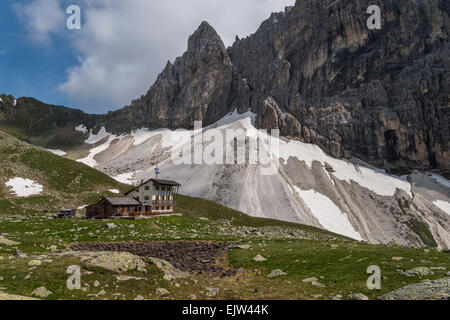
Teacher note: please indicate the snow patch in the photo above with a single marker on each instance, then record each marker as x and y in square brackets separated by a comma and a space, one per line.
[328, 214]
[81, 128]
[15, 102]
[142, 135]
[57, 152]
[440, 179]
[89, 160]
[24, 187]
[369, 177]
[94, 138]
[82, 207]
[114, 191]
[443, 205]
[126, 178]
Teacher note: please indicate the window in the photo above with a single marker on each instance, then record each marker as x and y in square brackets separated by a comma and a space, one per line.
[146, 198]
[147, 188]
[122, 209]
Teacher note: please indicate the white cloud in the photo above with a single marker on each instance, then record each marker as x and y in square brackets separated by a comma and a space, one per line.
[42, 18]
[123, 44]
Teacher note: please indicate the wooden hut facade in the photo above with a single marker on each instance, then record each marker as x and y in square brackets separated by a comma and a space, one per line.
[114, 207]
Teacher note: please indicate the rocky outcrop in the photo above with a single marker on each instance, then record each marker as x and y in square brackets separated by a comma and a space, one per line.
[381, 95]
[202, 85]
[317, 73]
[427, 290]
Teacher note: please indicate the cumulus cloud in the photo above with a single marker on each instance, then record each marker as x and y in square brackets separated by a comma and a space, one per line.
[42, 18]
[123, 44]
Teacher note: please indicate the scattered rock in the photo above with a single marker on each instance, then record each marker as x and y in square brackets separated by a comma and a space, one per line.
[309, 280]
[314, 281]
[397, 258]
[34, 263]
[8, 242]
[316, 296]
[18, 253]
[139, 298]
[192, 297]
[41, 292]
[438, 268]
[188, 256]
[418, 272]
[259, 258]
[127, 278]
[276, 273]
[111, 226]
[162, 292]
[430, 290]
[96, 283]
[170, 272]
[14, 297]
[119, 262]
[357, 296]
[212, 292]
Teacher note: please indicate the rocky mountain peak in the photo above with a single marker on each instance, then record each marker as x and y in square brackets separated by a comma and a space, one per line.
[206, 46]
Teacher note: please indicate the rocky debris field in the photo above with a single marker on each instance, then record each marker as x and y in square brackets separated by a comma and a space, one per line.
[427, 290]
[193, 257]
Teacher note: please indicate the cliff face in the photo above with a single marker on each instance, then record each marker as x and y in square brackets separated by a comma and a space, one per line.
[202, 85]
[381, 95]
[320, 75]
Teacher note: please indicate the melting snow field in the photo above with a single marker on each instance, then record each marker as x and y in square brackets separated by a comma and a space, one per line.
[441, 180]
[443, 205]
[328, 214]
[126, 178]
[24, 187]
[82, 128]
[57, 152]
[93, 139]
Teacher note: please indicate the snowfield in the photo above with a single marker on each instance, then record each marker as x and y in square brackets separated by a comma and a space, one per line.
[299, 182]
[24, 187]
[81, 128]
[328, 214]
[126, 178]
[57, 152]
[443, 205]
[440, 179]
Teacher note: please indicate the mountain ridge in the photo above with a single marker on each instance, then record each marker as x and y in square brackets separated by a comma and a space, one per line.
[319, 75]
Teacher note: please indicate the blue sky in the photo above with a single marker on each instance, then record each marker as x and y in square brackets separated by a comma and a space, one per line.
[27, 69]
[119, 51]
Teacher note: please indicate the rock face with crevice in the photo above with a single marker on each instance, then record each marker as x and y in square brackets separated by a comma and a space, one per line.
[202, 85]
[317, 73]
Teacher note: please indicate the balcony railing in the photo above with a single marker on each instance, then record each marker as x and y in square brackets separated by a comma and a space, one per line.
[164, 202]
